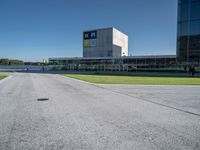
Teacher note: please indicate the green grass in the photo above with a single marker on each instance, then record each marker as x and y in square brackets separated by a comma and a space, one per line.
[128, 79]
[2, 77]
[6, 71]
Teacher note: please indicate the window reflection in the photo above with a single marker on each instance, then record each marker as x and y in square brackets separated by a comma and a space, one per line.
[188, 40]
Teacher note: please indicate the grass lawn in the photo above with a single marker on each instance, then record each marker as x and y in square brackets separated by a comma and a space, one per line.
[6, 71]
[130, 79]
[2, 76]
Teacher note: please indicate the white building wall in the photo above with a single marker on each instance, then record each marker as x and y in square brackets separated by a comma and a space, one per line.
[109, 43]
[120, 40]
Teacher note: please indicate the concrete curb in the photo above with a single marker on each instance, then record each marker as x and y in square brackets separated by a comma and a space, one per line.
[5, 79]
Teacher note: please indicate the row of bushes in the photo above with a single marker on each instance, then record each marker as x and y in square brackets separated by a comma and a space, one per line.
[6, 62]
[16, 62]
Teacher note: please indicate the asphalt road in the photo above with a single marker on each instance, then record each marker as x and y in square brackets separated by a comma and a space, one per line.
[86, 116]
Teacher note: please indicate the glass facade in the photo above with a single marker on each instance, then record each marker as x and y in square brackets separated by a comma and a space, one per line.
[188, 34]
[130, 63]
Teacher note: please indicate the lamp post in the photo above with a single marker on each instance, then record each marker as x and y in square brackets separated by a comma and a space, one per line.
[123, 54]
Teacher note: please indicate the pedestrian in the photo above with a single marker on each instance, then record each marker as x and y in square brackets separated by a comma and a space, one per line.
[185, 68]
[193, 71]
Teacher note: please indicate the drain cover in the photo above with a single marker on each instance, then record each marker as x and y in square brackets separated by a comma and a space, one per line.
[43, 99]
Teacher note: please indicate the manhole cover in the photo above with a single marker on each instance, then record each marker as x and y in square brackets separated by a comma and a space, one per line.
[43, 99]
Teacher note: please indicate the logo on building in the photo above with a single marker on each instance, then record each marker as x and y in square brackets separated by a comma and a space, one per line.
[90, 39]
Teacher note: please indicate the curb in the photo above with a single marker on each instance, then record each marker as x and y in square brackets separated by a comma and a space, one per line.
[5, 79]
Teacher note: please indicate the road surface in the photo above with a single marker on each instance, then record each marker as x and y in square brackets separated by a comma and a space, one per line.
[79, 115]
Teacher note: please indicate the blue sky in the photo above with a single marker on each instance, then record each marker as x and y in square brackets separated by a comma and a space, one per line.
[33, 30]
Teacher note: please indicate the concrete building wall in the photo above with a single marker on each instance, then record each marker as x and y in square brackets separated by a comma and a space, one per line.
[120, 40]
[109, 42]
[103, 47]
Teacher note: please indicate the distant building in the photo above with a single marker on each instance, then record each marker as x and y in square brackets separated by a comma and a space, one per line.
[188, 35]
[107, 42]
[103, 49]
[159, 63]
[107, 49]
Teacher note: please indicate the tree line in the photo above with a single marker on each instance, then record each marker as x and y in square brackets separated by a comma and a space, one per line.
[10, 62]
[16, 62]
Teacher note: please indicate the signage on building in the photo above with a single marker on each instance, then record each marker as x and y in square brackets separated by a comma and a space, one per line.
[90, 39]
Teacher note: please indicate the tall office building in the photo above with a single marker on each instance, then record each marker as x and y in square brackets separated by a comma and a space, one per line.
[107, 42]
[188, 34]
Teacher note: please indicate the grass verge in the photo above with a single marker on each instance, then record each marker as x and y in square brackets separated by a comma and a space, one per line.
[6, 71]
[2, 77]
[130, 79]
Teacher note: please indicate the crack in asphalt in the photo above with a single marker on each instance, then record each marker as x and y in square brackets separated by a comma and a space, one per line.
[139, 98]
[149, 101]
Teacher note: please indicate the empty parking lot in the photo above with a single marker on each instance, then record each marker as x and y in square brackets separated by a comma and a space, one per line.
[73, 114]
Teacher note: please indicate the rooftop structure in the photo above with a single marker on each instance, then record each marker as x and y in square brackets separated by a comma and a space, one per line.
[106, 42]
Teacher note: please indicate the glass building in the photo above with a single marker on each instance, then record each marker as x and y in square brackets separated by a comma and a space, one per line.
[188, 33]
